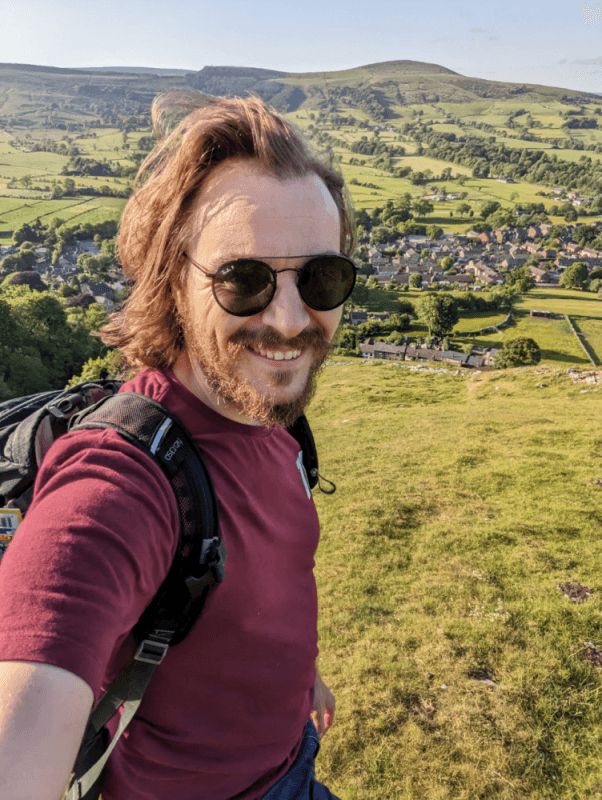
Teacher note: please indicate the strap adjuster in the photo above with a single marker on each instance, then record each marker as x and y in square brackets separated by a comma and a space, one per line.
[151, 652]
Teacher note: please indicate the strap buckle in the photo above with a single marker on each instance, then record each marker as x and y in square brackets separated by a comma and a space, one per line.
[213, 556]
[151, 652]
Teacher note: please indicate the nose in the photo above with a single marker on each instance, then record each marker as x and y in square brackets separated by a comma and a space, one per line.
[287, 313]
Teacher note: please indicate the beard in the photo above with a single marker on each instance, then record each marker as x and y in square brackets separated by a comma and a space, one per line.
[222, 372]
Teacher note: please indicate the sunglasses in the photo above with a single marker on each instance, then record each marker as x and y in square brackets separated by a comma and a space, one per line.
[246, 286]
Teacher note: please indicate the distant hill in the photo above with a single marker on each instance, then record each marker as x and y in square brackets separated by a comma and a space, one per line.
[28, 93]
[138, 70]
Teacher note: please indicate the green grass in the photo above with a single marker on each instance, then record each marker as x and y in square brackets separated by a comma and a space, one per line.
[562, 301]
[462, 502]
[82, 209]
[592, 332]
[558, 344]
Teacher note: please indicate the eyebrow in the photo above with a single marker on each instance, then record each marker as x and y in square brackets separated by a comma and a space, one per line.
[235, 257]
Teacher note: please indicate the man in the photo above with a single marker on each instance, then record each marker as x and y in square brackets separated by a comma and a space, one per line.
[234, 243]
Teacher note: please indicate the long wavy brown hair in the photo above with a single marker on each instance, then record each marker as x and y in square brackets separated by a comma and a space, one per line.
[154, 228]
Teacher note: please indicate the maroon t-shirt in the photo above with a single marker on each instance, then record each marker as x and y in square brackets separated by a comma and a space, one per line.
[224, 713]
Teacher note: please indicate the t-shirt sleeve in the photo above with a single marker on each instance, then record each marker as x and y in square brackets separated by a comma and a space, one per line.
[93, 549]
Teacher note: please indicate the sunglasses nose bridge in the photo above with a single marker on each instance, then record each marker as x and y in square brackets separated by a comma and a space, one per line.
[287, 312]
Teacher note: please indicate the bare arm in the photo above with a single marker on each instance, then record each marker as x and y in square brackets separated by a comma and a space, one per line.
[324, 704]
[43, 715]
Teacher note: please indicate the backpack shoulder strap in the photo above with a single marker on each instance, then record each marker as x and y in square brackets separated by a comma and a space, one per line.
[301, 431]
[196, 569]
[199, 563]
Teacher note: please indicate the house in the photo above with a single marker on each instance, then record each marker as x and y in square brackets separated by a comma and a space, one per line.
[88, 246]
[423, 269]
[539, 275]
[587, 252]
[546, 253]
[98, 290]
[509, 263]
[416, 239]
[357, 317]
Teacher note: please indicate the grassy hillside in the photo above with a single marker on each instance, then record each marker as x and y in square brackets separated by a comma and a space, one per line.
[103, 114]
[464, 502]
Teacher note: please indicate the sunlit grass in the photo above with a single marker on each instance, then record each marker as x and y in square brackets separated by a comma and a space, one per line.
[463, 500]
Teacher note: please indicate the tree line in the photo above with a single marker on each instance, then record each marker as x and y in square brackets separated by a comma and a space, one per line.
[44, 342]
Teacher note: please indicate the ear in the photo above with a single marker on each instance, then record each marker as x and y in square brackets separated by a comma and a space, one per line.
[179, 286]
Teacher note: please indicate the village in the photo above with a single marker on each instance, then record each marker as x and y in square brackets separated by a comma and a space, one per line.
[49, 275]
[480, 260]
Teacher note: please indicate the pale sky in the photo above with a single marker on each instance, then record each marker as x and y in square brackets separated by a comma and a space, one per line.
[527, 41]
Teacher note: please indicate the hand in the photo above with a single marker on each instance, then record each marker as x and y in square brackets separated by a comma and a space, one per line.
[324, 703]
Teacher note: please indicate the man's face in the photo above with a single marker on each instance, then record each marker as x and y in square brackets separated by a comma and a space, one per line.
[261, 368]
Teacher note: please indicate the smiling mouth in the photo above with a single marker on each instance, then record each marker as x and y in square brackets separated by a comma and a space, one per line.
[277, 355]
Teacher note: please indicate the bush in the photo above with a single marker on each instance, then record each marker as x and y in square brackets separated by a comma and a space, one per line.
[517, 353]
[31, 279]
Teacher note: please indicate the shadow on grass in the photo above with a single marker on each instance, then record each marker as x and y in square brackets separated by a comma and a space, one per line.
[555, 355]
[587, 297]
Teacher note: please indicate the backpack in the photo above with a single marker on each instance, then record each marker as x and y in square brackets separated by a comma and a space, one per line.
[28, 426]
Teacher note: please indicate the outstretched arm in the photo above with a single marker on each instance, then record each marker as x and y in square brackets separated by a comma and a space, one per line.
[43, 715]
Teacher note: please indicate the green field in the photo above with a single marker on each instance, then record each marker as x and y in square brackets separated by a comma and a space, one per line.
[562, 301]
[14, 212]
[559, 345]
[463, 503]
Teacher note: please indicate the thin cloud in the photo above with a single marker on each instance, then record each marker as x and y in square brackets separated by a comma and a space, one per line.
[596, 61]
[477, 30]
[493, 38]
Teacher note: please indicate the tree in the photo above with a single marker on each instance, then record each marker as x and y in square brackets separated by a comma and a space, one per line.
[574, 276]
[100, 368]
[44, 348]
[439, 313]
[489, 208]
[520, 278]
[382, 233]
[422, 207]
[518, 352]
[434, 231]
[463, 208]
[415, 280]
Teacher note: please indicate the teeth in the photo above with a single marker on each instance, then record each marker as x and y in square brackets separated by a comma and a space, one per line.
[279, 355]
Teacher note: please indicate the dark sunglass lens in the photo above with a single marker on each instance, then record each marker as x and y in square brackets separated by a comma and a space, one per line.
[326, 282]
[244, 287]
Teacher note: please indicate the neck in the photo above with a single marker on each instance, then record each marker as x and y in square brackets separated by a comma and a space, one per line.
[188, 372]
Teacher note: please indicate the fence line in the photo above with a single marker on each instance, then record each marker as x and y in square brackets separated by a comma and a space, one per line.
[580, 339]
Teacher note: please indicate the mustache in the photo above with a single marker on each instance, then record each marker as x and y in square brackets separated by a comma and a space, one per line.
[269, 338]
